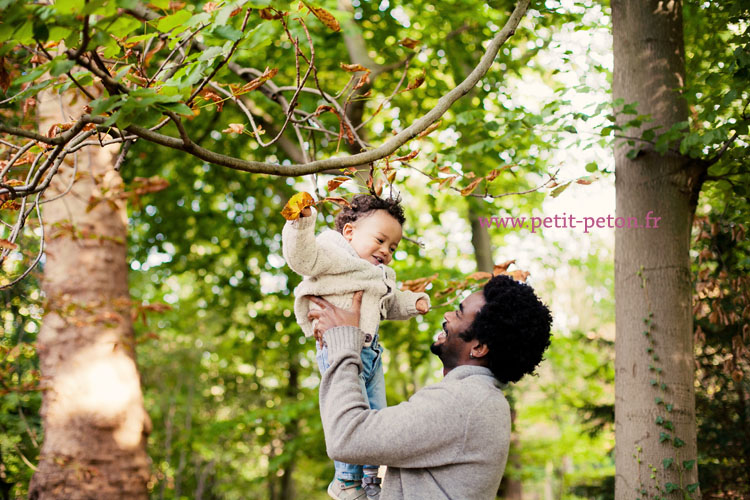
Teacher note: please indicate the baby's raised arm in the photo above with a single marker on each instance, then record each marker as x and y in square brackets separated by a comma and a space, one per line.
[300, 249]
[404, 304]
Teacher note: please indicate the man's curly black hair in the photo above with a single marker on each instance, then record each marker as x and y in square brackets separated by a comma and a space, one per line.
[515, 326]
[363, 205]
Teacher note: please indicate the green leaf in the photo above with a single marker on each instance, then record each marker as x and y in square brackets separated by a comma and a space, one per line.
[592, 167]
[688, 464]
[667, 462]
[571, 129]
[670, 487]
[559, 189]
[663, 436]
[659, 420]
[227, 33]
[678, 443]
[41, 32]
[178, 107]
[168, 23]
[692, 487]
[104, 105]
[60, 66]
[669, 407]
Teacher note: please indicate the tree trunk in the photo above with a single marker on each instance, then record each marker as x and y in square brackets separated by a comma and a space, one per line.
[654, 394]
[95, 426]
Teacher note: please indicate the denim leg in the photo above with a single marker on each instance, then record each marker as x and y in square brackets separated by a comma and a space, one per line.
[344, 471]
[372, 379]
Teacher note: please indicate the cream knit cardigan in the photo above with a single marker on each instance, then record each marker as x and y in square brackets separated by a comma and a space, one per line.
[333, 270]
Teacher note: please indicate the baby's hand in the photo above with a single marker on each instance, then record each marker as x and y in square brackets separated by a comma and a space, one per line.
[423, 306]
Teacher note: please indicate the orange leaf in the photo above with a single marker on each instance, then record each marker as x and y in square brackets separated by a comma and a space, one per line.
[519, 275]
[429, 129]
[585, 181]
[210, 6]
[353, 68]
[296, 204]
[325, 17]
[445, 170]
[501, 268]
[409, 43]
[234, 128]
[379, 186]
[479, 275]
[391, 176]
[13, 182]
[363, 80]
[336, 182]
[408, 157]
[471, 187]
[7, 244]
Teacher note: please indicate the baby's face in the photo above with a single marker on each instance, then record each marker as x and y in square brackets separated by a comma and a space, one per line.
[374, 237]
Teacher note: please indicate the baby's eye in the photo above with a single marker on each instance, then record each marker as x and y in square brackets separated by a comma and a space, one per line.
[379, 240]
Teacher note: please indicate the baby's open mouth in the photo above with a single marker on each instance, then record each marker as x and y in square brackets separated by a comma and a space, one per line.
[379, 259]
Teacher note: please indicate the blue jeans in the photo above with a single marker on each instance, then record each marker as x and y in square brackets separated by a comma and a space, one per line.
[372, 383]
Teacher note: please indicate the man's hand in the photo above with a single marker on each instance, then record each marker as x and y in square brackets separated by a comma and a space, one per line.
[423, 307]
[330, 316]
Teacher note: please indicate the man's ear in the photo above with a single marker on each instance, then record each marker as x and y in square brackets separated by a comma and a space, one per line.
[348, 231]
[479, 350]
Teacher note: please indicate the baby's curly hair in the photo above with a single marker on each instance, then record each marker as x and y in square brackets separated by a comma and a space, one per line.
[515, 326]
[363, 205]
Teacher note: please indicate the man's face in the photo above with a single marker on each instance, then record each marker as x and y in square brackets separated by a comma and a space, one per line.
[452, 350]
[374, 237]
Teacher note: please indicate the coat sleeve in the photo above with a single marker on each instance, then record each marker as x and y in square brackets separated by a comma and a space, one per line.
[300, 248]
[403, 304]
[429, 430]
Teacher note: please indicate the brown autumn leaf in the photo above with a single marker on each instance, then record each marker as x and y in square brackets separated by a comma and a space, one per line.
[479, 275]
[353, 68]
[585, 180]
[518, 275]
[324, 16]
[28, 104]
[270, 14]
[492, 175]
[4, 76]
[10, 205]
[143, 185]
[501, 268]
[363, 80]
[338, 201]
[471, 187]
[429, 129]
[379, 186]
[408, 157]
[417, 82]
[7, 244]
[445, 170]
[409, 43]
[254, 84]
[234, 128]
[297, 204]
[210, 95]
[448, 181]
[336, 182]
[13, 182]
[418, 285]
[391, 176]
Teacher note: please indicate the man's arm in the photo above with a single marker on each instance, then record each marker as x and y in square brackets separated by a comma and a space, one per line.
[427, 431]
[300, 249]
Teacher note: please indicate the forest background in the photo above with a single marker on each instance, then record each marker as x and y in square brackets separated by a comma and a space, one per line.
[229, 383]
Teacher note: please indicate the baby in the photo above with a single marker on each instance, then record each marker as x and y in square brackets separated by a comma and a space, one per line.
[335, 265]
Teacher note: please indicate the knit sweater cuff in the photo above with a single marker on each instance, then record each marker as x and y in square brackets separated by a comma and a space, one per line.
[342, 338]
[411, 308]
[305, 222]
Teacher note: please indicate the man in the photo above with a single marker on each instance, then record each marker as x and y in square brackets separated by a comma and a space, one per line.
[451, 439]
